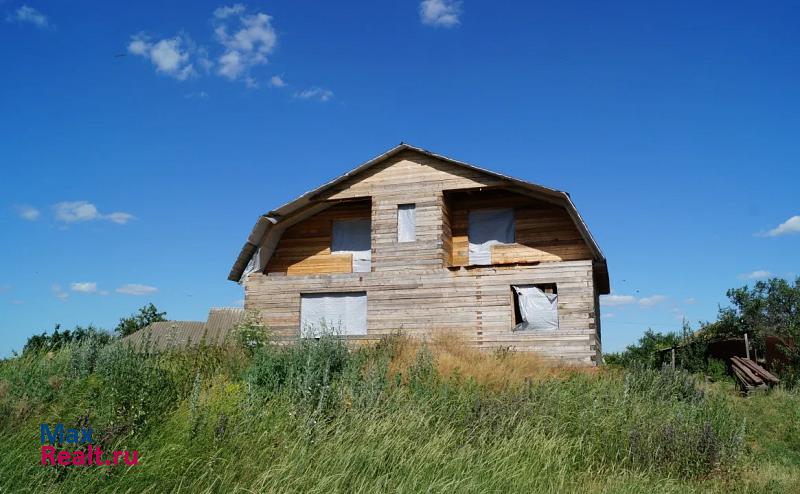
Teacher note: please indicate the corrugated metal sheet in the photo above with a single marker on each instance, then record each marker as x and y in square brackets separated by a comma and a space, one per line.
[221, 320]
[176, 334]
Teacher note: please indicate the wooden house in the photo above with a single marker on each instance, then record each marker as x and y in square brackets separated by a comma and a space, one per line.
[415, 242]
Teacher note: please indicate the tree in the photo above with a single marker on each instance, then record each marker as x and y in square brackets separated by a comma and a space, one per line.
[645, 351]
[52, 342]
[770, 308]
[146, 316]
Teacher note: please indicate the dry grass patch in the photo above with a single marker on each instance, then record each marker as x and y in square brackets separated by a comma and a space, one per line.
[497, 367]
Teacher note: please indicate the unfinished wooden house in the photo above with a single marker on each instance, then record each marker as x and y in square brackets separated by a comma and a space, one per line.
[419, 243]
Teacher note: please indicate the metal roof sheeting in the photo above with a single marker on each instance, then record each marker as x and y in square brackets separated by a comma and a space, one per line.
[176, 334]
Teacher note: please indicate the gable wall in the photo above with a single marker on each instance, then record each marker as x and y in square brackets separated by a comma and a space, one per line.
[409, 178]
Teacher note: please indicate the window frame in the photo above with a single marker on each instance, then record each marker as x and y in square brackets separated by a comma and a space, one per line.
[516, 313]
[471, 226]
[411, 206]
[355, 260]
[344, 334]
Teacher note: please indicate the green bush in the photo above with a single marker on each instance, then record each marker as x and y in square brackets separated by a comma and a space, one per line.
[136, 390]
[717, 369]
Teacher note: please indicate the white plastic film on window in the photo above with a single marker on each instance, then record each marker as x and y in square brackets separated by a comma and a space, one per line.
[333, 314]
[539, 310]
[489, 227]
[406, 222]
[353, 237]
[254, 264]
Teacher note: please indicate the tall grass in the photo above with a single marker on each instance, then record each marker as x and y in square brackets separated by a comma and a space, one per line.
[399, 416]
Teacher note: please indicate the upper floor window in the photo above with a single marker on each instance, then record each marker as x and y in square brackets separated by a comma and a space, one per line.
[489, 227]
[406, 222]
[353, 236]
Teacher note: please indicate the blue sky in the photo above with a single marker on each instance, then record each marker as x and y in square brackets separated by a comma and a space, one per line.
[139, 141]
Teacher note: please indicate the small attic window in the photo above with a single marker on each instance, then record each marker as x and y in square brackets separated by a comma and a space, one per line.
[489, 227]
[406, 222]
[535, 307]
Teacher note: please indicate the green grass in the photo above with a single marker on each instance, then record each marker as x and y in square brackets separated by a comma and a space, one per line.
[398, 417]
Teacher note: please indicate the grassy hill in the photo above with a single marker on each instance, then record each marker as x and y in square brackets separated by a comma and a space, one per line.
[397, 417]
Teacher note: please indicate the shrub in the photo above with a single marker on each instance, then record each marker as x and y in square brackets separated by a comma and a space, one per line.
[251, 334]
[717, 369]
[135, 387]
[304, 370]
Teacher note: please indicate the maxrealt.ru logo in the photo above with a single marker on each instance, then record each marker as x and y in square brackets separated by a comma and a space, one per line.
[87, 453]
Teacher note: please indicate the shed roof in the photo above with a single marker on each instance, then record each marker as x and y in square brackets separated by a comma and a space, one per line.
[265, 222]
[175, 334]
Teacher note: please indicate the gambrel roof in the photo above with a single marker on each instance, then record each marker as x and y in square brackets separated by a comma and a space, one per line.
[306, 201]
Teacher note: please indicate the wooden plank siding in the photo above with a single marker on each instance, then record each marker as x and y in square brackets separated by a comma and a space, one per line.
[475, 304]
[413, 286]
[544, 232]
[305, 247]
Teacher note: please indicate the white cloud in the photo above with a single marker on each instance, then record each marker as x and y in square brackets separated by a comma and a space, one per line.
[76, 211]
[315, 93]
[170, 56]
[119, 217]
[231, 64]
[84, 287]
[136, 289]
[27, 212]
[690, 301]
[758, 274]
[614, 299]
[652, 300]
[226, 11]
[277, 81]
[792, 225]
[251, 82]
[59, 292]
[246, 39]
[197, 95]
[16, 302]
[29, 15]
[443, 13]
[239, 303]
[607, 315]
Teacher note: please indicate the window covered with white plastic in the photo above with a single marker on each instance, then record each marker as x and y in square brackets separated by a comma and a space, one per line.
[535, 307]
[340, 314]
[406, 222]
[488, 227]
[254, 264]
[353, 237]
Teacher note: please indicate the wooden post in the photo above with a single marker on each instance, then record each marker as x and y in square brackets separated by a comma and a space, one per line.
[673, 358]
[747, 346]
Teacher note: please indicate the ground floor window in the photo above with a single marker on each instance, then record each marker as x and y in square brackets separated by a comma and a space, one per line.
[333, 313]
[535, 307]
